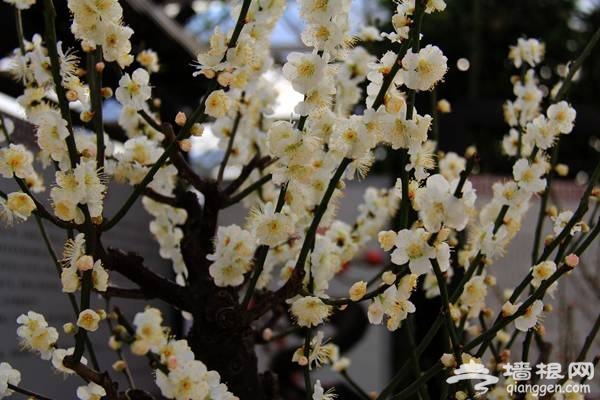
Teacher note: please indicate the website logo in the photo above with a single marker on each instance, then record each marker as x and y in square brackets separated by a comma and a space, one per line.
[471, 371]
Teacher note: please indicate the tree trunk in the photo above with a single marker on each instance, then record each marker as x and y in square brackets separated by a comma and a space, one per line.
[220, 335]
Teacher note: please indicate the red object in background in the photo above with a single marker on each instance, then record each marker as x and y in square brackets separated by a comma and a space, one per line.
[344, 267]
[374, 257]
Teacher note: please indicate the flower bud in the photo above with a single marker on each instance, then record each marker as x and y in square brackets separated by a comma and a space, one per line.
[180, 118]
[106, 92]
[552, 211]
[388, 277]
[448, 360]
[197, 129]
[119, 366]
[209, 73]
[102, 314]
[470, 152]
[509, 309]
[140, 347]
[443, 106]
[267, 334]
[358, 290]
[69, 328]
[460, 395]
[572, 260]
[490, 280]
[114, 344]
[541, 329]
[185, 145]
[562, 169]
[502, 336]
[120, 330]
[386, 239]
[100, 67]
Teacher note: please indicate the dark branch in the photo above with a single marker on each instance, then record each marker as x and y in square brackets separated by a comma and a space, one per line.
[125, 293]
[256, 162]
[161, 198]
[184, 169]
[152, 285]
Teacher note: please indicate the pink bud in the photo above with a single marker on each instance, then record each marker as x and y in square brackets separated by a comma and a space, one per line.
[572, 260]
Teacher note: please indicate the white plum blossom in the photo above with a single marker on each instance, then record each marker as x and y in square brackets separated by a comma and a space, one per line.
[304, 70]
[531, 316]
[134, 90]
[438, 206]
[234, 251]
[412, 248]
[8, 375]
[36, 335]
[529, 175]
[422, 70]
[320, 394]
[16, 160]
[309, 311]
[562, 116]
[542, 271]
[529, 51]
[561, 221]
[92, 391]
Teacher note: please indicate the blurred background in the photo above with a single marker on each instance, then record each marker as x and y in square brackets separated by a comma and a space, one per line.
[475, 36]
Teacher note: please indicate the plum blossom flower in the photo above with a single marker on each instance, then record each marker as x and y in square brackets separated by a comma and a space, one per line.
[134, 90]
[20, 204]
[529, 51]
[529, 176]
[530, 318]
[88, 320]
[561, 115]
[422, 70]
[36, 335]
[16, 160]
[309, 311]
[438, 206]
[320, 394]
[304, 70]
[92, 391]
[8, 375]
[412, 248]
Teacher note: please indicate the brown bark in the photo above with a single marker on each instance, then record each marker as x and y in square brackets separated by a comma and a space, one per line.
[220, 335]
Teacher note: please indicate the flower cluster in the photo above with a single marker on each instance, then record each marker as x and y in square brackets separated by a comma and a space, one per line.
[292, 175]
[99, 24]
[183, 377]
[394, 303]
[234, 252]
[36, 335]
